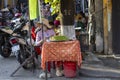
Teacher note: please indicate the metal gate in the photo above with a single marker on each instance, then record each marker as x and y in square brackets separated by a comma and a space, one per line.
[116, 26]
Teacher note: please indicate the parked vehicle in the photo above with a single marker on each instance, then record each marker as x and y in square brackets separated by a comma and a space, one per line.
[5, 46]
[5, 49]
[19, 45]
[6, 16]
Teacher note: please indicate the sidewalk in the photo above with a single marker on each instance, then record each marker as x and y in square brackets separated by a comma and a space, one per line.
[94, 67]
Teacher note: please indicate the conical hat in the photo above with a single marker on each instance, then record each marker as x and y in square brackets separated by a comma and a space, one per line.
[46, 22]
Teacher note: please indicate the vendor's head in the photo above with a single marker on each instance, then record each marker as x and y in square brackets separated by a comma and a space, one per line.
[45, 27]
[51, 24]
[47, 23]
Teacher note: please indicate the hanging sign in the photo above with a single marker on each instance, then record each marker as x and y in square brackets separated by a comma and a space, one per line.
[33, 9]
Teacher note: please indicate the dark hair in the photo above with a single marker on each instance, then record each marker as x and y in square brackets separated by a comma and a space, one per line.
[51, 23]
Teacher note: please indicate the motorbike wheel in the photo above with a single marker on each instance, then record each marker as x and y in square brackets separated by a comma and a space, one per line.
[22, 57]
[5, 51]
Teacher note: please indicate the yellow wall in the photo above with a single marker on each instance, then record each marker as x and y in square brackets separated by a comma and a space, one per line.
[107, 5]
[105, 19]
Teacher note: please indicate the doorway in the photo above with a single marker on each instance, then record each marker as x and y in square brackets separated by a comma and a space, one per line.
[116, 26]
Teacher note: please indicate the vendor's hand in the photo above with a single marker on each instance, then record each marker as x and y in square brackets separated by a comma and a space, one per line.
[41, 42]
[46, 40]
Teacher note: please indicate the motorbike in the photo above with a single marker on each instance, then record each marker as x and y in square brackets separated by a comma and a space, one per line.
[19, 45]
[6, 16]
[5, 46]
[5, 34]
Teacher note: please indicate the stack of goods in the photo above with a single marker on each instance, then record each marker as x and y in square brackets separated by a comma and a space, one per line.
[59, 38]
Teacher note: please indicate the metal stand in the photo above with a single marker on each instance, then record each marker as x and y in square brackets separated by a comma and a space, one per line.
[31, 57]
[46, 78]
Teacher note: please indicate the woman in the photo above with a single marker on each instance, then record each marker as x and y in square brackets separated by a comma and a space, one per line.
[43, 35]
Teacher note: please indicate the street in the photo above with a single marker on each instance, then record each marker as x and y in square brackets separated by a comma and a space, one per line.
[8, 65]
[83, 31]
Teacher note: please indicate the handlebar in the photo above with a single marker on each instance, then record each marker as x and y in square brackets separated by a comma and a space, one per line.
[19, 27]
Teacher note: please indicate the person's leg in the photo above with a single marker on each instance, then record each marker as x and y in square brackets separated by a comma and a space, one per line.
[59, 70]
[49, 66]
[58, 64]
[42, 75]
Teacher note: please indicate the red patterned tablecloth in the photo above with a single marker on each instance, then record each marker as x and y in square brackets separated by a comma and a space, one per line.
[61, 51]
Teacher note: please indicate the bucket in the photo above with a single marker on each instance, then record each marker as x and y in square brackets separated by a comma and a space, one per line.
[70, 69]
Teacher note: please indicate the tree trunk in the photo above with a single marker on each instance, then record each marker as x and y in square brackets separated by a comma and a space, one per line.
[67, 12]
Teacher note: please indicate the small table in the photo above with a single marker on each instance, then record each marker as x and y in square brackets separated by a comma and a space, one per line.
[61, 51]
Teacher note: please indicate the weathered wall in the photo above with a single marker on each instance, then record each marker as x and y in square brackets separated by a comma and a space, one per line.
[109, 7]
[99, 25]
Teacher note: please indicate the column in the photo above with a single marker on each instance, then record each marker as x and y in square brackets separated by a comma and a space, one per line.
[67, 18]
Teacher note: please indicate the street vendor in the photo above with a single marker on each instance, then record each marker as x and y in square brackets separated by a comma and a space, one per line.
[42, 36]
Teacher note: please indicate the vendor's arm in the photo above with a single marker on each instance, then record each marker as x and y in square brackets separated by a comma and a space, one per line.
[52, 32]
[39, 43]
[39, 39]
